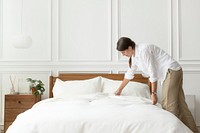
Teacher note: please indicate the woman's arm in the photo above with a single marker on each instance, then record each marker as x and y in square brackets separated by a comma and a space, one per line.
[154, 97]
[121, 87]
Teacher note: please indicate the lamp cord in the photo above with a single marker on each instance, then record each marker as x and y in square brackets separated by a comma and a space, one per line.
[21, 14]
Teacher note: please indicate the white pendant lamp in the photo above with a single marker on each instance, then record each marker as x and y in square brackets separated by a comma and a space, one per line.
[21, 41]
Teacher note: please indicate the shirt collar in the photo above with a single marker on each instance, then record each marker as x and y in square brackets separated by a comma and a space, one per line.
[136, 51]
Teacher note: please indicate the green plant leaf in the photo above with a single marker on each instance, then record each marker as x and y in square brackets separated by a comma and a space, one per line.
[36, 84]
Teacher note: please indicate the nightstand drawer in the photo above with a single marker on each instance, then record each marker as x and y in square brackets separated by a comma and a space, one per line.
[16, 104]
[11, 114]
[20, 102]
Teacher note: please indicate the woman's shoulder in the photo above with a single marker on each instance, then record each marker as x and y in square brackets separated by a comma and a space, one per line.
[143, 46]
[146, 46]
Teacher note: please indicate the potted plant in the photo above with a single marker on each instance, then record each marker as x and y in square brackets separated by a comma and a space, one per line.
[36, 86]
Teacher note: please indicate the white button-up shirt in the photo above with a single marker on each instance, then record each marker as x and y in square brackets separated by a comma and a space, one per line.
[152, 61]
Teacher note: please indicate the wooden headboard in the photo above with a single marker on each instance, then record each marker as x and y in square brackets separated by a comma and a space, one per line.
[82, 76]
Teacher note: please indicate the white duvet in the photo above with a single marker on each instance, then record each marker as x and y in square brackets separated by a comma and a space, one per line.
[99, 113]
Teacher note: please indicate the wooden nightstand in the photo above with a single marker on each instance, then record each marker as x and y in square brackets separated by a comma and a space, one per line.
[16, 104]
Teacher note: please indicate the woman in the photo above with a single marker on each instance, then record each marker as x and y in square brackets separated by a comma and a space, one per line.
[159, 66]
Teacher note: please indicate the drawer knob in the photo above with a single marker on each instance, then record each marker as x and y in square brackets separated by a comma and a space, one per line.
[19, 101]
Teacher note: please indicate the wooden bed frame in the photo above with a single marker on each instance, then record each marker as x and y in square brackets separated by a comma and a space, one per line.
[82, 76]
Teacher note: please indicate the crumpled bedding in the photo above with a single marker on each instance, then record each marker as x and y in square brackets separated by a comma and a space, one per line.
[98, 113]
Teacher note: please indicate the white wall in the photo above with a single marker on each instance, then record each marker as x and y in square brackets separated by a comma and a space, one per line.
[80, 36]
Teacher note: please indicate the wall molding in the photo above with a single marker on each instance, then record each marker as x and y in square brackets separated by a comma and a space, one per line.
[1, 100]
[179, 40]
[170, 33]
[106, 72]
[1, 29]
[60, 58]
[170, 45]
[2, 40]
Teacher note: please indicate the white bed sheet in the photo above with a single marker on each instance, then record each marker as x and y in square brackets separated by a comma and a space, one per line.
[98, 113]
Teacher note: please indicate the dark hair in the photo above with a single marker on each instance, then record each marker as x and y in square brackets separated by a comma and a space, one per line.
[124, 42]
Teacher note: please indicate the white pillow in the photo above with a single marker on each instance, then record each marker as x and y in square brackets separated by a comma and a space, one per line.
[131, 89]
[65, 89]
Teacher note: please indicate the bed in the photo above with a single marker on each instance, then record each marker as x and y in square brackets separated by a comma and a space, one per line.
[85, 103]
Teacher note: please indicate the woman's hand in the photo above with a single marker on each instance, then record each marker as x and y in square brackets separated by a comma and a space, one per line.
[154, 99]
[121, 87]
[118, 92]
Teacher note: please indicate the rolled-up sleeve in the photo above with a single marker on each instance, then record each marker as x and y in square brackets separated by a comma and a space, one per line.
[150, 63]
[130, 73]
